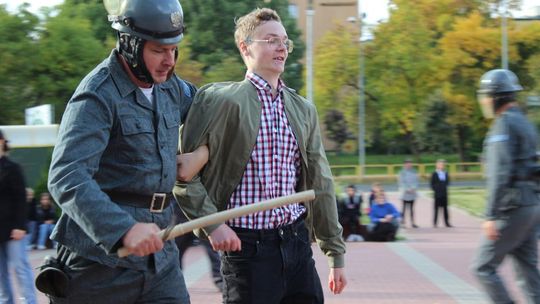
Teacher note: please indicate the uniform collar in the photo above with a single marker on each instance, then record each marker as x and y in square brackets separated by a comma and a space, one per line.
[122, 80]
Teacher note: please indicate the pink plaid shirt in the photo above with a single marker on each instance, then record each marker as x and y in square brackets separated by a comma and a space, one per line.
[273, 167]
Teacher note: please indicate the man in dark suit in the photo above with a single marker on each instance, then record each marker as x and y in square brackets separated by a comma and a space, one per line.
[439, 184]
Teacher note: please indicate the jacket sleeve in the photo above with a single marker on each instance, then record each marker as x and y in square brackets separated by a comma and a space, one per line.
[17, 187]
[499, 167]
[83, 136]
[327, 229]
[193, 196]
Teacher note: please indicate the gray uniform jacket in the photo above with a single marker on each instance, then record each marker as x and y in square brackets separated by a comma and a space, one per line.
[113, 139]
[408, 183]
[510, 152]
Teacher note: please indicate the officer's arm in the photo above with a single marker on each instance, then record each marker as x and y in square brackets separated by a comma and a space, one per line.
[83, 136]
[499, 166]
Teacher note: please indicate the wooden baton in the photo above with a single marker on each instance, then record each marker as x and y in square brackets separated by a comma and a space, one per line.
[223, 216]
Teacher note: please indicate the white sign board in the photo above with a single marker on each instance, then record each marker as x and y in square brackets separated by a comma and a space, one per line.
[40, 115]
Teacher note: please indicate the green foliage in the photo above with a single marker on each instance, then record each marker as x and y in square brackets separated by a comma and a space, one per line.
[433, 134]
[92, 10]
[471, 200]
[230, 69]
[67, 51]
[336, 159]
[16, 57]
[336, 128]
[336, 69]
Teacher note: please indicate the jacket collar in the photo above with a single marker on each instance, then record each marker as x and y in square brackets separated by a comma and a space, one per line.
[122, 80]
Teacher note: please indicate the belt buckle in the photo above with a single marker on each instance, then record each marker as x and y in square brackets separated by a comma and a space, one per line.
[158, 202]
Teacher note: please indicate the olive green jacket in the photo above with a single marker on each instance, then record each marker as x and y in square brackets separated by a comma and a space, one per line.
[226, 117]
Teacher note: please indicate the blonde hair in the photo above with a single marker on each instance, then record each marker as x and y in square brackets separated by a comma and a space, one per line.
[247, 24]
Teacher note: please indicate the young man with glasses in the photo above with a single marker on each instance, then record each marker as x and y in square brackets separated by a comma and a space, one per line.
[264, 142]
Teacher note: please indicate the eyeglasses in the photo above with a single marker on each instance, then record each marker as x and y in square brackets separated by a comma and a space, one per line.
[275, 42]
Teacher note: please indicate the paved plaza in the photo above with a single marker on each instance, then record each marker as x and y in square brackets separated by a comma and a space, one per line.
[431, 266]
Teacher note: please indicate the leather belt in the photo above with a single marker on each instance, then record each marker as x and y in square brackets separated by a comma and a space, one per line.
[155, 202]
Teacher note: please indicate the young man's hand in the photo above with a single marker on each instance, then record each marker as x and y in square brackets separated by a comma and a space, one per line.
[225, 239]
[337, 280]
[143, 239]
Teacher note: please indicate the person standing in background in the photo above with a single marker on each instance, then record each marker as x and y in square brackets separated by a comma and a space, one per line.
[408, 184]
[440, 179]
[13, 230]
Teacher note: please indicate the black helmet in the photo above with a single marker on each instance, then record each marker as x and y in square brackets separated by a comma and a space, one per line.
[499, 81]
[138, 21]
[497, 88]
[157, 20]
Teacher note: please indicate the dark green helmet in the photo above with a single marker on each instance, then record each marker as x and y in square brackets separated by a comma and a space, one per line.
[138, 21]
[156, 20]
[499, 81]
[497, 88]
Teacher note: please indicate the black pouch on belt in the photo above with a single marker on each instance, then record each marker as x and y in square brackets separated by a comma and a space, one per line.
[52, 280]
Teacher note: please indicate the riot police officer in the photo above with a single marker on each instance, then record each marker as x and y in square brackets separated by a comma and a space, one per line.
[513, 205]
[114, 166]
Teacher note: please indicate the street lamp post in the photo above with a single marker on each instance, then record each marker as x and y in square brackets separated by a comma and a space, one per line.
[504, 35]
[309, 51]
[361, 99]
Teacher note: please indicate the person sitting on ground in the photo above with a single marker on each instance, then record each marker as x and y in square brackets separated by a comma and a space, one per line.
[32, 222]
[350, 211]
[384, 219]
[46, 215]
[375, 187]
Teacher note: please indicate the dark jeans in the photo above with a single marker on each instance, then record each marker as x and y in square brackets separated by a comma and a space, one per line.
[274, 266]
[384, 232]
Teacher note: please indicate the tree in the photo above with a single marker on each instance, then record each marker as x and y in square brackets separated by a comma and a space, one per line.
[400, 69]
[336, 128]
[336, 73]
[67, 50]
[16, 45]
[94, 11]
[468, 51]
[186, 67]
[434, 130]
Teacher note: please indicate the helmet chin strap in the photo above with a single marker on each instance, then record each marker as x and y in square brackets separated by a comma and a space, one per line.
[131, 49]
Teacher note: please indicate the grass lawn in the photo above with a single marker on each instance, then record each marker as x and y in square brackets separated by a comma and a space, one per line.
[352, 159]
[473, 200]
